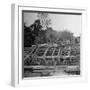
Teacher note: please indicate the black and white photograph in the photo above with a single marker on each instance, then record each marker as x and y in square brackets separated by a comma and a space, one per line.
[51, 43]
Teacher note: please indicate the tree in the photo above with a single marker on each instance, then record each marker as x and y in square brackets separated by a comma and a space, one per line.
[77, 40]
[41, 38]
[66, 35]
[28, 37]
[36, 27]
[51, 35]
[44, 19]
[31, 32]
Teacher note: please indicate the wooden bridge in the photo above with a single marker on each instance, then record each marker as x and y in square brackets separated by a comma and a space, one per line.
[49, 54]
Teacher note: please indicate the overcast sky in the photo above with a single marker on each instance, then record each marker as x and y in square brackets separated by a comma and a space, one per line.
[59, 22]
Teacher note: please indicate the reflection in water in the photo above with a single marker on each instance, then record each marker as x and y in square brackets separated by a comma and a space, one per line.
[51, 71]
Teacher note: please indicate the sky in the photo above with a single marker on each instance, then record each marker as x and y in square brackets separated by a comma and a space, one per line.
[59, 22]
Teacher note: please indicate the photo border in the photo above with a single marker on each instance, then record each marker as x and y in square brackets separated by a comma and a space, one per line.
[16, 56]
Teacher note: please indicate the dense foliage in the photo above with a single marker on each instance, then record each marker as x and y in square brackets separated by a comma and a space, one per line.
[35, 34]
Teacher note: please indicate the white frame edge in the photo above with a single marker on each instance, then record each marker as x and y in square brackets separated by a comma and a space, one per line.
[16, 43]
